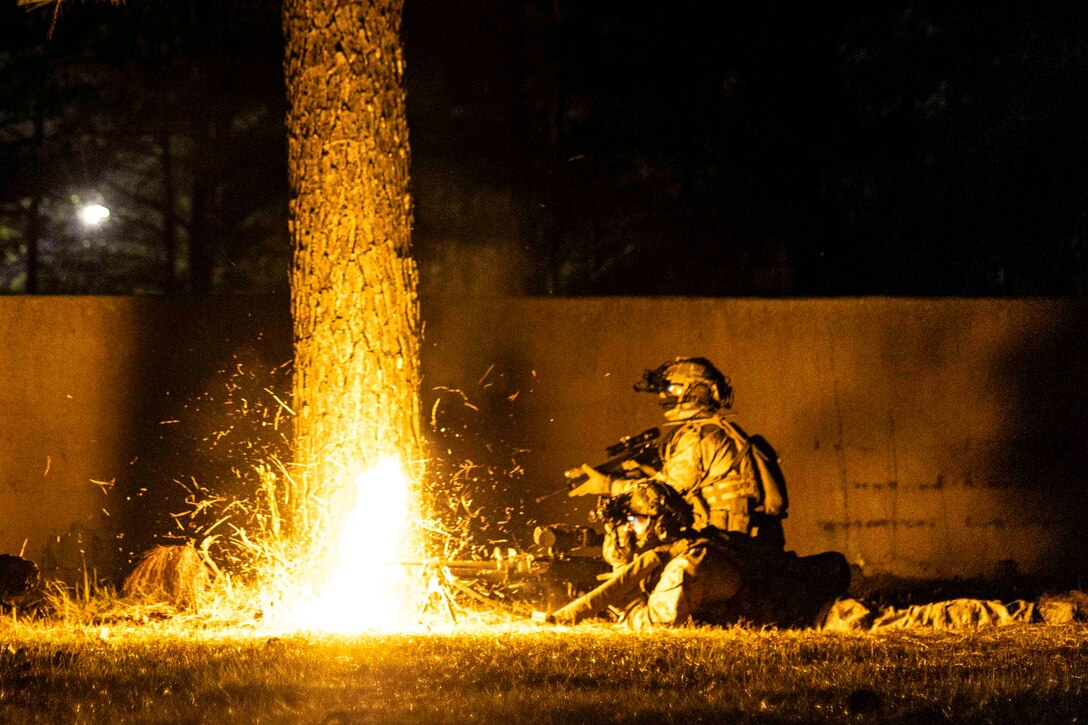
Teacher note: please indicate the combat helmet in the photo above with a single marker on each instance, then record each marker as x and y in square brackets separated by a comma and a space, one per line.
[687, 387]
[667, 512]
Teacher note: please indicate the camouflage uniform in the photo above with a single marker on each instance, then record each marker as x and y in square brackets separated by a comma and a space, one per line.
[728, 480]
[731, 480]
[721, 473]
[671, 584]
[695, 585]
[716, 580]
[670, 575]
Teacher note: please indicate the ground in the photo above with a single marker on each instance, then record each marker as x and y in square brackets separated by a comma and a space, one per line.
[515, 672]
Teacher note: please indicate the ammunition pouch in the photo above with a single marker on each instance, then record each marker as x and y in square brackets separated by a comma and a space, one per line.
[721, 494]
[725, 505]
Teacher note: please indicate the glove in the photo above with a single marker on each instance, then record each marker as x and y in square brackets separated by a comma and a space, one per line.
[631, 466]
[597, 483]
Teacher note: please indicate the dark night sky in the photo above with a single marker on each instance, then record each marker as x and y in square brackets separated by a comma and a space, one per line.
[706, 148]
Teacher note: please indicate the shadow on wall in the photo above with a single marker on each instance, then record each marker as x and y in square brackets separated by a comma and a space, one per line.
[1040, 457]
[954, 431]
[204, 413]
[476, 443]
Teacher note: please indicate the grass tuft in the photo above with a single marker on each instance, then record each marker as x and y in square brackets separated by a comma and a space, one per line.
[169, 574]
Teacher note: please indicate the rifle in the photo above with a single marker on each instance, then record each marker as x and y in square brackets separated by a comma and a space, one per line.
[517, 579]
[641, 448]
[498, 568]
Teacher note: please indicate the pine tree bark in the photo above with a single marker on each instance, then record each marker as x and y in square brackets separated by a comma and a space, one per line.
[353, 281]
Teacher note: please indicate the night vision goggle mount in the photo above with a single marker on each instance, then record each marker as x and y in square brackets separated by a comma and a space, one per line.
[653, 381]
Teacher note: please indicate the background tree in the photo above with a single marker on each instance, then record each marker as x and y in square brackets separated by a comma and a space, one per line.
[353, 282]
[565, 147]
[172, 116]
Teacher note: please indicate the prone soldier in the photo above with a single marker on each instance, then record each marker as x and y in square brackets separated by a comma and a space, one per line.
[679, 576]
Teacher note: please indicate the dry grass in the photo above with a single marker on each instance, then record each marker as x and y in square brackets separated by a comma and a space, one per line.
[169, 574]
[513, 672]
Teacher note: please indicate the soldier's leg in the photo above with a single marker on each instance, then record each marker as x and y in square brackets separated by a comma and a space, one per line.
[690, 585]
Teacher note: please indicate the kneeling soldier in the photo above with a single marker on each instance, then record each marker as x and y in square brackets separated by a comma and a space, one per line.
[731, 480]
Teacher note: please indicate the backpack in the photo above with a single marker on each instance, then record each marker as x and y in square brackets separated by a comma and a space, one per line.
[773, 499]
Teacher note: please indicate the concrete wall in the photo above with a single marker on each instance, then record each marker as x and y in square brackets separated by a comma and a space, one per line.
[931, 438]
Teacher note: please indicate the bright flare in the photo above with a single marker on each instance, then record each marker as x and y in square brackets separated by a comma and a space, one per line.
[94, 214]
[366, 589]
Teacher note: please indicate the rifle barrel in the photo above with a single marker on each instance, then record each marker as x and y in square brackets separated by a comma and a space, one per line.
[556, 492]
[473, 564]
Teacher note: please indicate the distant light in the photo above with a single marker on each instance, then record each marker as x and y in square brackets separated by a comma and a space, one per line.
[94, 214]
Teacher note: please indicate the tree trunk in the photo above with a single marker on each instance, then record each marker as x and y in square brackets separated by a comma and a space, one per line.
[202, 228]
[169, 209]
[35, 224]
[353, 282]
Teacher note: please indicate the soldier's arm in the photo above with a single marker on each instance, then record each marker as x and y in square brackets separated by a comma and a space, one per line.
[690, 455]
[599, 484]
